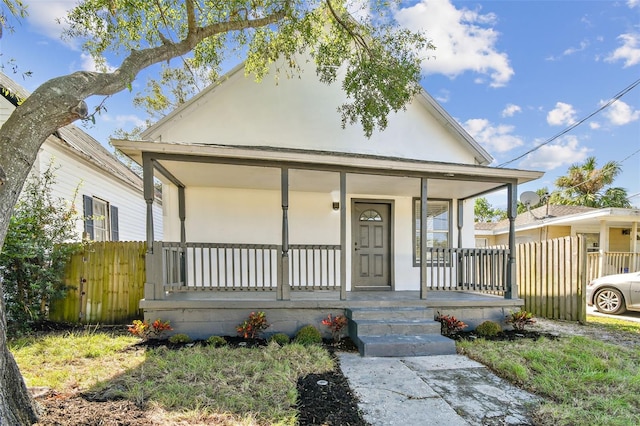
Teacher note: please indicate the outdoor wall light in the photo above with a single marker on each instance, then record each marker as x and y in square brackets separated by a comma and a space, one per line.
[336, 205]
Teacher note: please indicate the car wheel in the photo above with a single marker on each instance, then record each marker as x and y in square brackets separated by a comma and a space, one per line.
[610, 301]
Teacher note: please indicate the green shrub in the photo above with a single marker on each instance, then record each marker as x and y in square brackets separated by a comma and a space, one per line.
[488, 329]
[35, 253]
[216, 341]
[280, 338]
[180, 338]
[308, 335]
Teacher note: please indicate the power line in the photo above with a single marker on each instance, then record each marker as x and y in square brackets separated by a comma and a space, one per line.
[576, 124]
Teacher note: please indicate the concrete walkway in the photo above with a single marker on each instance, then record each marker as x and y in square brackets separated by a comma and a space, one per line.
[446, 390]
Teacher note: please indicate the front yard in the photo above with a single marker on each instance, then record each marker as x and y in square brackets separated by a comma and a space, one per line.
[98, 377]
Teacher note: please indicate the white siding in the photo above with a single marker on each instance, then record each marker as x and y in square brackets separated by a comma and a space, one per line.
[74, 174]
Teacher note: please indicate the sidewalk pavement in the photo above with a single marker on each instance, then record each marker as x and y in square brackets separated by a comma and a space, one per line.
[445, 390]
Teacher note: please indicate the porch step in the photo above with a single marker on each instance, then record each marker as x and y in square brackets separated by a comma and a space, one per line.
[402, 327]
[397, 332]
[390, 313]
[405, 345]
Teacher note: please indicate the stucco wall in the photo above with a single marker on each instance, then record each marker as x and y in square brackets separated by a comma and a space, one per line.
[231, 215]
[302, 113]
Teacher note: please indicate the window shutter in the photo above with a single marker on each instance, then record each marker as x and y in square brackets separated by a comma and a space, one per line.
[113, 215]
[87, 203]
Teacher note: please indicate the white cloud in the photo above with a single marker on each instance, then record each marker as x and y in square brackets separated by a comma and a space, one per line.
[510, 110]
[629, 52]
[123, 121]
[572, 50]
[493, 138]
[619, 113]
[562, 114]
[464, 40]
[633, 3]
[43, 15]
[562, 153]
[87, 63]
[594, 125]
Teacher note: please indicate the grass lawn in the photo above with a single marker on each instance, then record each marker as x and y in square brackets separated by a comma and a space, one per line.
[243, 386]
[584, 380]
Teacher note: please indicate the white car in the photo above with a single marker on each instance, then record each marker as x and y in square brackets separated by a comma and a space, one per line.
[615, 294]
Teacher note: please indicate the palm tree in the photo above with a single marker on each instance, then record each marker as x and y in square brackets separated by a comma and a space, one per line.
[586, 185]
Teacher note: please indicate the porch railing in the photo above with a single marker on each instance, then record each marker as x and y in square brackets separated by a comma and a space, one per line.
[258, 267]
[247, 267]
[314, 267]
[479, 270]
[612, 263]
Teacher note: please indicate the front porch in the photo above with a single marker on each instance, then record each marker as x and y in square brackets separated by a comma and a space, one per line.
[202, 314]
[303, 234]
[208, 289]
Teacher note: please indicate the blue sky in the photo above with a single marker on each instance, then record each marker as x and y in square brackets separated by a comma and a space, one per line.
[513, 73]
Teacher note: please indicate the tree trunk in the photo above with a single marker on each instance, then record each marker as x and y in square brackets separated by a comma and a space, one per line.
[16, 406]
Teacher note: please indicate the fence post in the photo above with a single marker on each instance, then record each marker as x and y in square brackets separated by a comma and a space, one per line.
[582, 278]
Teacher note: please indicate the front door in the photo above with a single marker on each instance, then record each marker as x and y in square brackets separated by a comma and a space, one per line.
[371, 225]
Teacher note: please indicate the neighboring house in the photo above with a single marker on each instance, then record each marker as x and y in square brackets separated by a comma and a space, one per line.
[272, 206]
[611, 234]
[106, 193]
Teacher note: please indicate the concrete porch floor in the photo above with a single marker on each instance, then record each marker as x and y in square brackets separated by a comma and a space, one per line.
[331, 299]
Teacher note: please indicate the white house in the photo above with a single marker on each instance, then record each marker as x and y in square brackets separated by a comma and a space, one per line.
[106, 193]
[271, 205]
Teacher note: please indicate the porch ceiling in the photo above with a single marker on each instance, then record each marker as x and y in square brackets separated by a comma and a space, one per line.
[233, 176]
[313, 171]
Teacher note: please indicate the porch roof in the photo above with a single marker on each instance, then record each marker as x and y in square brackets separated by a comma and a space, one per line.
[248, 167]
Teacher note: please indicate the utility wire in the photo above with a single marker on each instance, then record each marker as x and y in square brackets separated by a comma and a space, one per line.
[576, 124]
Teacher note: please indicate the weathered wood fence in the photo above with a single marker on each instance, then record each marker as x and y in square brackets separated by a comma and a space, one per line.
[106, 283]
[552, 278]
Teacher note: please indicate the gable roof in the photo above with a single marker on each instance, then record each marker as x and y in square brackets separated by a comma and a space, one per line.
[428, 103]
[74, 139]
[561, 215]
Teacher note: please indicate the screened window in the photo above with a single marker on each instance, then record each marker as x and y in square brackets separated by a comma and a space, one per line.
[438, 226]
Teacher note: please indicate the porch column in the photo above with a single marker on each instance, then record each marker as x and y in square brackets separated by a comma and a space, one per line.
[460, 221]
[153, 286]
[632, 238]
[182, 215]
[149, 192]
[603, 247]
[512, 211]
[423, 238]
[343, 236]
[283, 292]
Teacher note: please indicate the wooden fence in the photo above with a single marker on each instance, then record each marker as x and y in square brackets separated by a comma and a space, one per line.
[552, 278]
[106, 283]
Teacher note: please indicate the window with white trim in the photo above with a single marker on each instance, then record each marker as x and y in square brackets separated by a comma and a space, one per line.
[438, 226]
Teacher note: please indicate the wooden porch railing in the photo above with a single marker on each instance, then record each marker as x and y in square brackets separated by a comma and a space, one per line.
[479, 270]
[314, 267]
[258, 267]
[612, 263]
[247, 267]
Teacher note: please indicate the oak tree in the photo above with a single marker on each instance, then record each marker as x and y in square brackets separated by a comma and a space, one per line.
[377, 63]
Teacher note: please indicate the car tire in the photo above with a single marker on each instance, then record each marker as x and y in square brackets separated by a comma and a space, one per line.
[609, 301]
